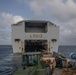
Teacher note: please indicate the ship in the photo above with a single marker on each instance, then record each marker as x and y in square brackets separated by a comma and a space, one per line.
[35, 49]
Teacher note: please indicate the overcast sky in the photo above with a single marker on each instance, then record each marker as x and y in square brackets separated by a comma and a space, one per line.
[60, 12]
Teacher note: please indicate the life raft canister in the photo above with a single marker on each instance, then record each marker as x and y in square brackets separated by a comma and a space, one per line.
[73, 55]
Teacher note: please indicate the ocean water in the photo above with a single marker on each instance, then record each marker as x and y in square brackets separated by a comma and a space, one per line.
[67, 50]
[7, 66]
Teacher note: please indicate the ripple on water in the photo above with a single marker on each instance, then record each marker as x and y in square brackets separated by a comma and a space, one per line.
[6, 65]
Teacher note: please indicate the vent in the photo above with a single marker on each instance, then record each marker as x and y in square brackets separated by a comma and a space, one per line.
[17, 40]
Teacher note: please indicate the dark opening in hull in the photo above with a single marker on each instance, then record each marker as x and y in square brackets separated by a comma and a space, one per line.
[35, 45]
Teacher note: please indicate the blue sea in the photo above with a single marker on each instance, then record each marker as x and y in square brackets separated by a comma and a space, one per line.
[7, 66]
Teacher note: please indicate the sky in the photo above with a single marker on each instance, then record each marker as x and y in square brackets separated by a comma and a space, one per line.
[60, 12]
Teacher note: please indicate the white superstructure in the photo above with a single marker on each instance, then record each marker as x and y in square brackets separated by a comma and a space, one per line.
[34, 35]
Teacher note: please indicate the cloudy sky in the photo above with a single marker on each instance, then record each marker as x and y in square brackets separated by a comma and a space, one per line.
[60, 12]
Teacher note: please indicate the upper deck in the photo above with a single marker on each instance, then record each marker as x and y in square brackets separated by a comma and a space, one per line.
[35, 26]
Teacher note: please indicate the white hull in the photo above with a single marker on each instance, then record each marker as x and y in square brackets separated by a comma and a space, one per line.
[19, 35]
